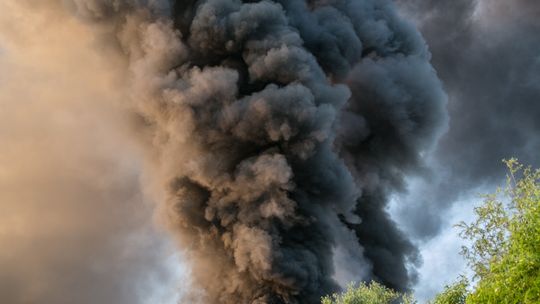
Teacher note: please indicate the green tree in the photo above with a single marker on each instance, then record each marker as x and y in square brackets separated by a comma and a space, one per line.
[374, 293]
[505, 241]
[453, 294]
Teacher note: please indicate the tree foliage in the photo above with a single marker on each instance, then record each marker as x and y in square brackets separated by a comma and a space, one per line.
[505, 254]
[453, 294]
[373, 293]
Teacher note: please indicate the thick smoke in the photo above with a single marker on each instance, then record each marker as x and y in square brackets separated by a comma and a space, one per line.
[74, 224]
[487, 55]
[278, 129]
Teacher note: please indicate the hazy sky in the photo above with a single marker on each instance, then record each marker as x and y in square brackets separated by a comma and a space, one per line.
[75, 224]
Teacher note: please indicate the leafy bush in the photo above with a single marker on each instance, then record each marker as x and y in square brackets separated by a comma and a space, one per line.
[374, 293]
[453, 294]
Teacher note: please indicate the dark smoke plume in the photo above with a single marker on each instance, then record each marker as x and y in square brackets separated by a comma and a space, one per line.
[279, 129]
[486, 52]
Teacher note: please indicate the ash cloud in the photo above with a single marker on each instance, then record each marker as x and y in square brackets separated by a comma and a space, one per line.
[487, 55]
[274, 134]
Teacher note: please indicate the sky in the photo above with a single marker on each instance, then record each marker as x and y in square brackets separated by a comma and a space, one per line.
[76, 224]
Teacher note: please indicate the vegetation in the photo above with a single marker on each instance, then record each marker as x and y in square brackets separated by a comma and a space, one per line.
[504, 251]
[374, 293]
[453, 294]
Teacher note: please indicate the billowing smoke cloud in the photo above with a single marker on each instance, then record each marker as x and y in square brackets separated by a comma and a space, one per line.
[74, 224]
[277, 130]
[487, 55]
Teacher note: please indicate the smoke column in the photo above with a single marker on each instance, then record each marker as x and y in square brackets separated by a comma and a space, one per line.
[277, 130]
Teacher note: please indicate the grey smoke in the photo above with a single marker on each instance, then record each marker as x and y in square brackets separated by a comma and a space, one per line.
[277, 131]
[487, 55]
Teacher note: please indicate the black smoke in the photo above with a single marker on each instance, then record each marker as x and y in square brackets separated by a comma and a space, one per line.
[278, 130]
